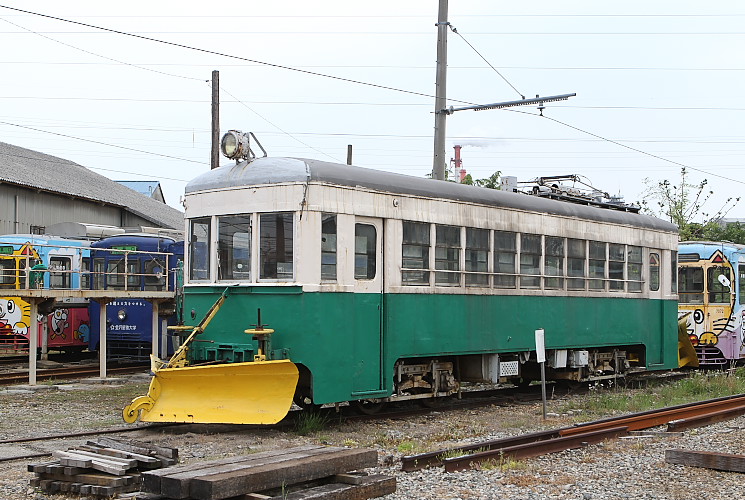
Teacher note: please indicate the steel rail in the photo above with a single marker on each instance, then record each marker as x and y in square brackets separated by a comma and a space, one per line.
[535, 444]
[61, 373]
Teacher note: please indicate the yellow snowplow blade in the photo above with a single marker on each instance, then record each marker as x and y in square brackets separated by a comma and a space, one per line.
[686, 352]
[232, 393]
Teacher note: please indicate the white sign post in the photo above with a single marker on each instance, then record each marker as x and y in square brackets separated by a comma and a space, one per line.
[540, 354]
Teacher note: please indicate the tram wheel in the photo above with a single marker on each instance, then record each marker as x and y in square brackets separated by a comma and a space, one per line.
[368, 406]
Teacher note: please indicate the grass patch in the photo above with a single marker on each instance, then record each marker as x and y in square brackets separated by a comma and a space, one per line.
[309, 422]
[697, 387]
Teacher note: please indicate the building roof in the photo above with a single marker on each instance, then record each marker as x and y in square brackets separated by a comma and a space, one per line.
[262, 171]
[36, 170]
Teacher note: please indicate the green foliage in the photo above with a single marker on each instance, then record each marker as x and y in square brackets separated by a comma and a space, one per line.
[683, 204]
[491, 182]
[308, 422]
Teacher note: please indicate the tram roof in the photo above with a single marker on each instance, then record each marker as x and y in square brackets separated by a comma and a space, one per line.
[263, 171]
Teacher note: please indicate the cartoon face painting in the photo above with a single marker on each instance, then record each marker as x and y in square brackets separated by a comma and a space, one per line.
[15, 314]
[59, 323]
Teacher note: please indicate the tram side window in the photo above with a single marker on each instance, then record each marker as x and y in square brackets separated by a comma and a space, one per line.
[691, 288]
[718, 292]
[576, 253]
[415, 253]
[634, 268]
[597, 265]
[654, 271]
[328, 247]
[365, 245]
[276, 245]
[59, 272]
[674, 272]
[553, 262]
[199, 243]
[616, 262]
[505, 252]
[477, 256]
[447, 255]
[530, 260]
[234, 247]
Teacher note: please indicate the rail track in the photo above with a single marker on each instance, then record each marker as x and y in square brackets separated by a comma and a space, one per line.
[70, 372]
[540, 443]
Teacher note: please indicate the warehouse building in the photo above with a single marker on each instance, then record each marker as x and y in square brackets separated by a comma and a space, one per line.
[38, 190]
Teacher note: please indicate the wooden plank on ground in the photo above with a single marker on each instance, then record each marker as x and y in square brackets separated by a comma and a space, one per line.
[267, 476]
[137, 447]
[113, 452]
[153, 480]
[706, 459]
[90, 478]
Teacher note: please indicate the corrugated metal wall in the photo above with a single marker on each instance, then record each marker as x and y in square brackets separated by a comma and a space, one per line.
[22, 208]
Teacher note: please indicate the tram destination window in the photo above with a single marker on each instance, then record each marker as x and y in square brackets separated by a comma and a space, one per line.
[691, 288]
[505, 252]
[328, 247]
[199, 256]
[276, 244]
[597, 265]
[718, 292]
[415, 253]
[477, 257]
[234, 247]
[616, 263]
[553, 262]
[576, 258]
[530, 260]
[634, 268]
[654, 271]
[365, 237]
[447, 255]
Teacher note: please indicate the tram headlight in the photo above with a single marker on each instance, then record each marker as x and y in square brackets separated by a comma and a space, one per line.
[121, 314]
[234, 144]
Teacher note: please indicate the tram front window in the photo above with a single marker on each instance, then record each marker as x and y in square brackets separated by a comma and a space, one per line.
[719, 290]
[275, 244]
[691, 285]
[7, 273]
[234, 247]
[199, 257]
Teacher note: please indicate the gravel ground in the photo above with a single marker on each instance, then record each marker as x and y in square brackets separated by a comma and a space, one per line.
[631, 468]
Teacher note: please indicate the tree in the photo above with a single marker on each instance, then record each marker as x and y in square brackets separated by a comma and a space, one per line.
[683, 205]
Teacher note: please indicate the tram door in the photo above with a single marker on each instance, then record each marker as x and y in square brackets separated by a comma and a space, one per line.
[368, 305]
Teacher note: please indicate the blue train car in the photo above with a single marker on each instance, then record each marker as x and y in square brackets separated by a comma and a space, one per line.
[130, 262]
[711, 290]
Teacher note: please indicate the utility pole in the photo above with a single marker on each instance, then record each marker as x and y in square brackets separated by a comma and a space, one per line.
[215, 151]
[438, 165]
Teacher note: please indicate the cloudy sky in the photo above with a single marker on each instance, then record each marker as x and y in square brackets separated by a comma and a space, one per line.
[125, 90]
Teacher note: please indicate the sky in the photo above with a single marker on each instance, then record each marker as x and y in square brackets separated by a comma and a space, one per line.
[659, 87]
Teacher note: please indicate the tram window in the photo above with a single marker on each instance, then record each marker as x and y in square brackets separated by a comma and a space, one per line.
[505, 251]
[8, 273]
[98, 274]
[741, 283]
[117, 272]
[530, 260]
[275, 246]
[616, 262]
[59, 272]
[634, 268]
[199, 242]
[447, 255]
[234, 247]
[85, 275]
[691, 288]
[364, 251]
[674, 272]
[415, 253]
[328, 247]
[597, 265]
[654, 271]
[576, 253]
[477, 256]
[718, 293]
[155, 275]
[553, 262]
